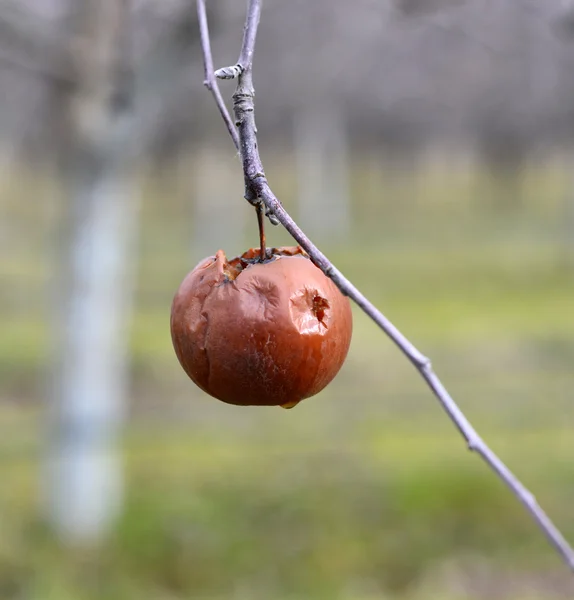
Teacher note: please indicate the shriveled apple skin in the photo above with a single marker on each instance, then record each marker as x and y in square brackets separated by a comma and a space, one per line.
[271, 333]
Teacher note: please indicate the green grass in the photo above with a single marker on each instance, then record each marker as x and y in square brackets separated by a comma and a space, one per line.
[385, 512]
[366, 491]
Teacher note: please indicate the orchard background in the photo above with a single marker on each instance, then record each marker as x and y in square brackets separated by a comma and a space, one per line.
[435, 147]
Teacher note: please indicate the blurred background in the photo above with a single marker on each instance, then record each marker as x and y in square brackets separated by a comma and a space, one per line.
[427, 147]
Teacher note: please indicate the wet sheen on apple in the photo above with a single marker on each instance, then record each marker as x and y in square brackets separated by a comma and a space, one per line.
[268, 333]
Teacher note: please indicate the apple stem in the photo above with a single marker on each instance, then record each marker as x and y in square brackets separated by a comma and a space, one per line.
[261, 222]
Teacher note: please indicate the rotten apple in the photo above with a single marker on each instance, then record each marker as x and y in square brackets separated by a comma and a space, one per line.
[252, 332]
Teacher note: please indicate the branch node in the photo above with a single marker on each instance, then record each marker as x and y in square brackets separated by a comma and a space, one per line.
[425, 363]
[252, 198]
[472, 445]
[271, 216]
[232, 72]
[329, 271]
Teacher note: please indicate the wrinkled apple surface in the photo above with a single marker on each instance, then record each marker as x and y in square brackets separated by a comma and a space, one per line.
[260, 333]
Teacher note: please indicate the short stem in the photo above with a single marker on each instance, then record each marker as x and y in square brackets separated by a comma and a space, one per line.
[260, 207]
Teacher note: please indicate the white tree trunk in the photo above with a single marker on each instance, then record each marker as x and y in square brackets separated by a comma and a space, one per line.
[83, 474]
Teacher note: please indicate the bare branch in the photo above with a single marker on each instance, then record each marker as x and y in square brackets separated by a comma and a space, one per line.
[250, 35]
[257, 190]
[210, 82]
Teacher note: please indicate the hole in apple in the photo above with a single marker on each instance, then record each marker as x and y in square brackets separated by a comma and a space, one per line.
[320, 306]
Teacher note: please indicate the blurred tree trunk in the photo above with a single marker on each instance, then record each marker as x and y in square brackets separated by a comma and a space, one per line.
[321, 148]
[83, 476]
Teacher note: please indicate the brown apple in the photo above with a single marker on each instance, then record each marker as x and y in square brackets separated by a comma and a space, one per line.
[260, 333]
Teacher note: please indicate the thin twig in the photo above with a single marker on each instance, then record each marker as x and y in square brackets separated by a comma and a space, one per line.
[258, 188]
[249, 35]
[210, 82]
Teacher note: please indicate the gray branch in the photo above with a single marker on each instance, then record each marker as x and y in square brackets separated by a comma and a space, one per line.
[258, 190]
[210, 81]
